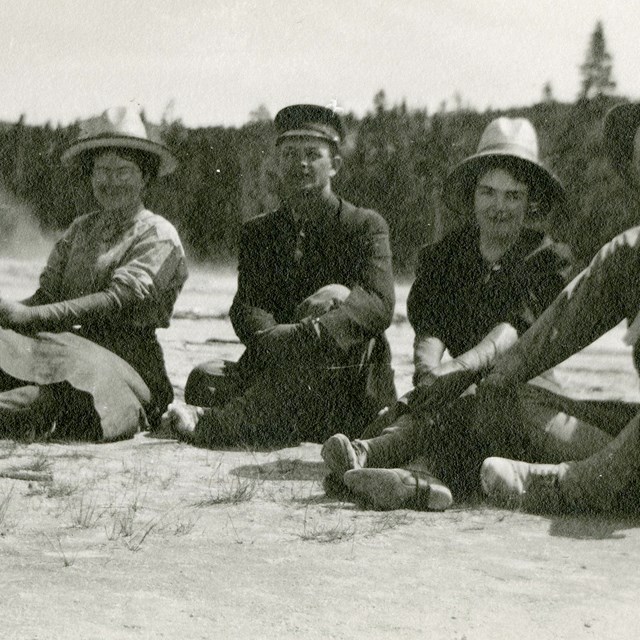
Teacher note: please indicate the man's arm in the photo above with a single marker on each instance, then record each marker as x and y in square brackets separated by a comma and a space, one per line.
[368, 309]
[600, 297]
[249, 313]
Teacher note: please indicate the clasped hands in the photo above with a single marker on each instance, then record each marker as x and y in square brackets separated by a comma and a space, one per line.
[439, 386]
[294, 342]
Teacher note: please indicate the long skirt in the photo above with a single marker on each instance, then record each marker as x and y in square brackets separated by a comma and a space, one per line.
[68, 385]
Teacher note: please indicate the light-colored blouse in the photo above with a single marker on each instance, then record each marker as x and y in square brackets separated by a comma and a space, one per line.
[138, 263]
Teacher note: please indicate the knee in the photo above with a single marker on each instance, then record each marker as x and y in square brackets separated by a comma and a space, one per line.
[323, 300]
[202, 382]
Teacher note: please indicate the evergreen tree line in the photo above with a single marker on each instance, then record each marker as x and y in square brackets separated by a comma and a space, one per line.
[396, 160]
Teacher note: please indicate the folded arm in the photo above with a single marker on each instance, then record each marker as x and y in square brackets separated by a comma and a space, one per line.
[365, 312]
[368, 309]
[152, 268]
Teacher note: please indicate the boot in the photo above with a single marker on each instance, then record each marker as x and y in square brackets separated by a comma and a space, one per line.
[399, 489]
[342, 455]
[398, 444]
[599, 481]
[522, 485]
[595, 483]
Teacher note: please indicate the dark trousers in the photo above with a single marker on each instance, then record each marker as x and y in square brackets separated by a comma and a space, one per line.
[285, 402]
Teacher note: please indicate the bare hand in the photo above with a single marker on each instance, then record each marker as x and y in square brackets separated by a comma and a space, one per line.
[181, 419]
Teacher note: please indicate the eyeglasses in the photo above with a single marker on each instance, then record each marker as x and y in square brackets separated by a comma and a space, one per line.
[120, 173]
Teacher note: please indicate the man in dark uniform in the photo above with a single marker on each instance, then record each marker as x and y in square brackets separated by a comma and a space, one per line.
[315, 295]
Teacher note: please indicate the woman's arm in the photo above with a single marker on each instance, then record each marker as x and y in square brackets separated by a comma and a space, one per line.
[427, 357]
[152, 266]
[452, 378]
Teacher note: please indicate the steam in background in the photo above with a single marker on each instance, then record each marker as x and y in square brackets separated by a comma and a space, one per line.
[20, 235]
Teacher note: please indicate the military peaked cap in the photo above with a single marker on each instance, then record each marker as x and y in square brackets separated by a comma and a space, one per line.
[309, 120]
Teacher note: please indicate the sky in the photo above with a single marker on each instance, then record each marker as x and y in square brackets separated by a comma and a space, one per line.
[213, 62]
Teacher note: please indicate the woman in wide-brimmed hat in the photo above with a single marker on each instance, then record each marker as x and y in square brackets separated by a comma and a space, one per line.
[80, 357]
[475, 292]
[603, 295]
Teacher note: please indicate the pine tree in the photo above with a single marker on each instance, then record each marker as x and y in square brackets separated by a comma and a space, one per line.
[597, 68]
[547, 93]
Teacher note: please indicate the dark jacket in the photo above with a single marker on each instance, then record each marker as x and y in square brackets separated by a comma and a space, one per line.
[458, 297]
[348, 247]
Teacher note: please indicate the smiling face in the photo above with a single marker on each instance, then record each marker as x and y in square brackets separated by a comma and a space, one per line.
[500, 204]
[117, 183]
[306, 166]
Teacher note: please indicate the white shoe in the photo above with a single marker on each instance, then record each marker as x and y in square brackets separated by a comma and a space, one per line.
[516, 484]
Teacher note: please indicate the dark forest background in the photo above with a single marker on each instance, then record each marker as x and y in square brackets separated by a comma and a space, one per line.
[396, 159]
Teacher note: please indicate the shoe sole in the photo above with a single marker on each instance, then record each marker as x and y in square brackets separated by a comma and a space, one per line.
[386, 490]
[339, 455]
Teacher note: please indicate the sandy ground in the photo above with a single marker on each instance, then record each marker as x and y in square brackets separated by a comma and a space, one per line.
[150, 538]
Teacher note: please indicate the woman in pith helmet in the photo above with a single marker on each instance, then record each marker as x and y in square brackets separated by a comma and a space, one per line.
[475, 291]
[80, 357]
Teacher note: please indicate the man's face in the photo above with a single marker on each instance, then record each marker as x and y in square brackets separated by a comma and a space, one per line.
[305, 166]
[500, 204]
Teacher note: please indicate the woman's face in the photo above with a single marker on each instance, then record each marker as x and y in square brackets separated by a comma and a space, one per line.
[500, 204]
[117, 183]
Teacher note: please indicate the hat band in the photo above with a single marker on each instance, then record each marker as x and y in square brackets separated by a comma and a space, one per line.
[516, 150]
[312, 131]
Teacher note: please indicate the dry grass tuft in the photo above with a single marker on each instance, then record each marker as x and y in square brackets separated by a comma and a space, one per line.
[324, 532]
[84, 511]
[5, 501]
[60, 489]
[67, 561]
[237, 491]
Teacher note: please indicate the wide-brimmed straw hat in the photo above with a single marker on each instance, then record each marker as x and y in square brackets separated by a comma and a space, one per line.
[120, 127]
[619, 131]
[510, 138]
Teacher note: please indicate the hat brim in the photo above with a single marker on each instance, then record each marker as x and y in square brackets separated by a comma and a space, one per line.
[461, 182]
[168, 162]
[619, 131]
[310, 116]
[309, 133]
